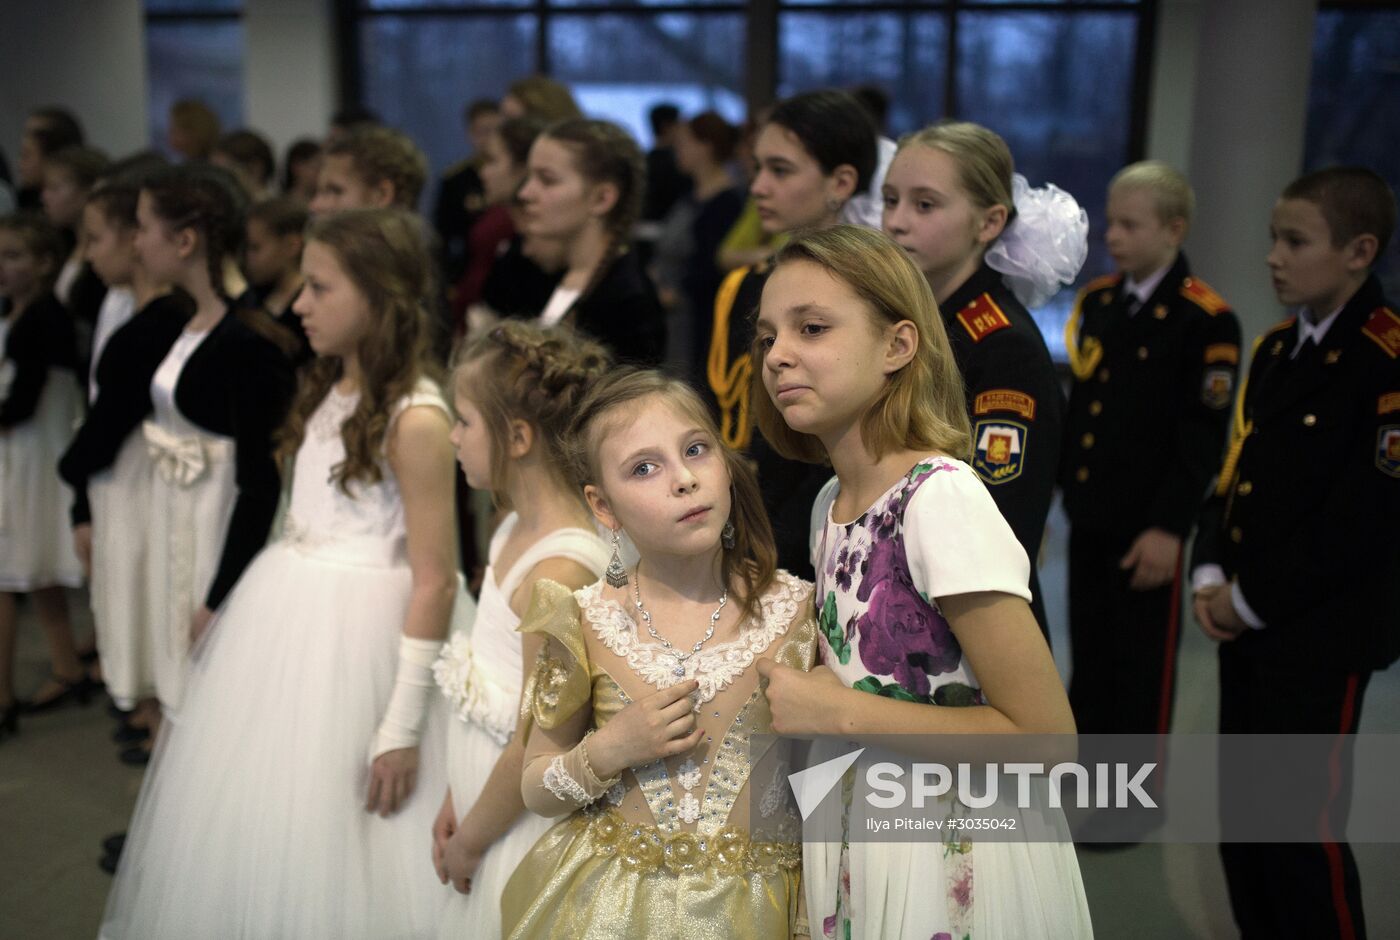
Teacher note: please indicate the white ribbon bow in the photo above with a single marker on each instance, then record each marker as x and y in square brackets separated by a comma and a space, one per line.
[179, 460]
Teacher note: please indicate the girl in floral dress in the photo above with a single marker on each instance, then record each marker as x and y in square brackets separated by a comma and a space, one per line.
[925, 625]
[645, 699]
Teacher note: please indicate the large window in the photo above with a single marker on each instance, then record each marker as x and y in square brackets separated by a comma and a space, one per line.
[620, 58]
[194, 49]
[1064, 81]
[1352, 113]
[1060, 81]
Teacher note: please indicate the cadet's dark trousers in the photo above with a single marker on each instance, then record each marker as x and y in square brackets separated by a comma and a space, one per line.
[1293, 889]
[1124, 642]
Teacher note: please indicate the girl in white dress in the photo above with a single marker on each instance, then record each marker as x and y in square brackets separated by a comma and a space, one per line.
[515, 392]
[40, 399]
[292, 796]
[218, 396]
[922, 588]
[107, 463]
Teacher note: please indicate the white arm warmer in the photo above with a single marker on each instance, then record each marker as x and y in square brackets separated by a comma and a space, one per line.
[408, 704]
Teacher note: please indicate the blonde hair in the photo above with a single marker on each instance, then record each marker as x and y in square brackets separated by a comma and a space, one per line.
[922, 406]
[1171, 192]
[544, 98]
[753, 560]
[983, 159]
[519, 371]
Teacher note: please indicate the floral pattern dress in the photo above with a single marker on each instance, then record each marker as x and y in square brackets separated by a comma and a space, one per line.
[934, 533]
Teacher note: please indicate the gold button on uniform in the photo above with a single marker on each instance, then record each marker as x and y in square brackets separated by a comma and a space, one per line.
[1082, 474]
[1309, 420]
[1142, 352]
[1086, 441]
[1245, 488]
[1095, 407]
[1236, 535]
[1103, 375]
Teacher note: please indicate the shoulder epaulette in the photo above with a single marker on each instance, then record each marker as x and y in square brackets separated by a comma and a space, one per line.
[982, 317]
[1100, 283]
[1203, 295]
[1382, 327]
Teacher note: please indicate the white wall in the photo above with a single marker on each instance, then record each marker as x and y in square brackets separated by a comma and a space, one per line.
[1229, 107]
[289, 68]
[89, 57]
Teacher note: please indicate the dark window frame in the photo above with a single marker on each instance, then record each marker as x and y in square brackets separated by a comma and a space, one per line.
[761, 53]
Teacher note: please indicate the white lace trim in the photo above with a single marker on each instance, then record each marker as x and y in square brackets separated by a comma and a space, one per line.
[564, 787]
[714, 668]
[473, 698]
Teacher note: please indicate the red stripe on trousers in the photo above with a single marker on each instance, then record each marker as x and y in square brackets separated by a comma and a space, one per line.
[1164, 706]
[1346, 927]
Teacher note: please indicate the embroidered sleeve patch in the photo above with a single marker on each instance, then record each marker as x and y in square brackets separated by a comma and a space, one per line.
[982, 317]
[1216, 388]
[1388, 450]
[1001, 450]
[1389, 402]
[1383, 328]
[1004, 399]
[1223, 352]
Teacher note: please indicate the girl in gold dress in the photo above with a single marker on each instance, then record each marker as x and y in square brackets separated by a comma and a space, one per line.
[642, 707]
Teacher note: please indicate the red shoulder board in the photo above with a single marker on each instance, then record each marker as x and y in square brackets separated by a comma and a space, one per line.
[982, 317]
[1106, 282]
[1383, 328]
[1203, 295]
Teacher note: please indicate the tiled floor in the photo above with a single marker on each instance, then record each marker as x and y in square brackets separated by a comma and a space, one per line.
[61, 790]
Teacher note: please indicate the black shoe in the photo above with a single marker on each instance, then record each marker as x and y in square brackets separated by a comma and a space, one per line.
[9, 719]
[126, 734]
[108, 863]
[135, 756]
[78, 690]
[112, 845]
[117, 711]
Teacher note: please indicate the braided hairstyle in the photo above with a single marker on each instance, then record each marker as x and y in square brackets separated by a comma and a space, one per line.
[208, 200]
[520, 372]
[384, 253]
[605, 153]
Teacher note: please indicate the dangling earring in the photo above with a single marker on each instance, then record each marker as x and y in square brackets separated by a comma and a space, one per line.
[616, 574]
[726, 535]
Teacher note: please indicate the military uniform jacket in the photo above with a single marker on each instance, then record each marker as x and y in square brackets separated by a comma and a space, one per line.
[1304, 515]
[1150, 405]
[1013, 398]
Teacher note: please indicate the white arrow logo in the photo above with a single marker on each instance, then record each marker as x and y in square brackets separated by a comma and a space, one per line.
[811, 786]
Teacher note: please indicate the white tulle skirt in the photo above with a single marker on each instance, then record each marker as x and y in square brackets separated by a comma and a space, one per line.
[36, 540]
[251, 821]
[121, 497]
[471, 754]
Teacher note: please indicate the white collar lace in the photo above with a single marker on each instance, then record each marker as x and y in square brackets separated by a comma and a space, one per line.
[713, 668]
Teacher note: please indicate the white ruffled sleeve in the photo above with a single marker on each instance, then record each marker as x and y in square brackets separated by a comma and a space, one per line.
[957, 541]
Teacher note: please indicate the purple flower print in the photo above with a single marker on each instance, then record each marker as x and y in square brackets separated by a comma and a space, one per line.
[846, 562]
[901, 634]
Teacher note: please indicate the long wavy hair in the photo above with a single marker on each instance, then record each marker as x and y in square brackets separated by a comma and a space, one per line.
[383, 253]
[753, 560]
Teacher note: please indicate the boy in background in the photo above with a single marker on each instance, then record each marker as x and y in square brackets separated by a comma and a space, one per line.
[1296, 555]
[1154, 352]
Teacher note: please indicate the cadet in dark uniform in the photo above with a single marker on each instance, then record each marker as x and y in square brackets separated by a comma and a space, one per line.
[1155, 353]
[1297, 561]
[948, 199]
[815, 152]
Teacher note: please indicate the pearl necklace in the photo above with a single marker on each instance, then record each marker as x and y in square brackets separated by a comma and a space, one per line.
[679, 669]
